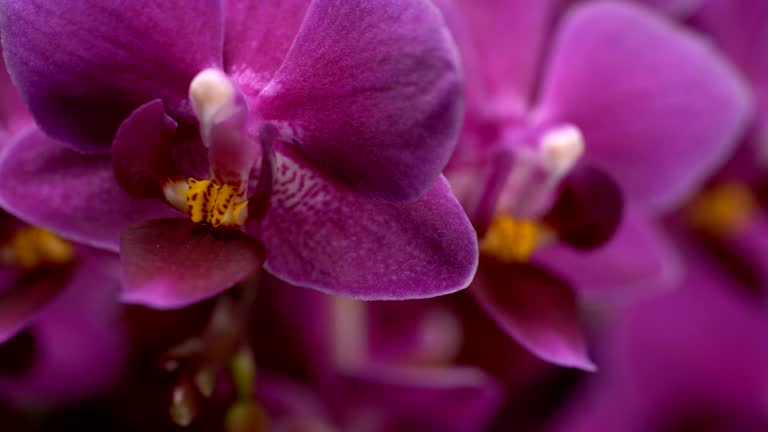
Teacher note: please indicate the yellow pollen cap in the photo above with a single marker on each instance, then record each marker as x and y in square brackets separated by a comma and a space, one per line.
[511, 240]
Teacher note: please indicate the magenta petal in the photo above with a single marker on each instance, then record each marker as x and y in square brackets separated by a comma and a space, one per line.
[676, 8]
[29, 294]
[83, 66]
[637, 260]
[659, 109]
[291, 402]
[13, 115]
[172, 263]
[455, 399]
[412, 330]
[258, 35]
[535, 308]
[501, 43]
[142, 152]
[738, 28]
[371, 91]
[320, 235]
[76, 195]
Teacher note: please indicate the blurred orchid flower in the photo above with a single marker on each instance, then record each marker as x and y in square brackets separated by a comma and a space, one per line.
[60, 336]
[694, 359]
[366, 370]
[579, 125]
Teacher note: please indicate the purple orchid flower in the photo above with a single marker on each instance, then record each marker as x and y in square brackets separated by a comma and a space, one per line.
[575, 118]
[60, 338]
[317, 127]
[692, 360]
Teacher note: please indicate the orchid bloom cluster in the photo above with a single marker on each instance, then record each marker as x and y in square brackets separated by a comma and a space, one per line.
[384, 215]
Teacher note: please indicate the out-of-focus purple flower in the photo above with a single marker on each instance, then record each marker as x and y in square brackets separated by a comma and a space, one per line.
[694, 359]
[60, 339]
[574, 118]
[368, 372]
[319, 127]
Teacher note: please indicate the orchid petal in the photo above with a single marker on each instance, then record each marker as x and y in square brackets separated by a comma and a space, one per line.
[13, 115]
[678, 332]
[456, 399]
[501, 42]
[371, 93]
[535, 308]
[76, 195]
[172, 263]
[258, 35]
[739, 29]
[675, 8]
[322, 236]
[21, 303]
[658, 108]
[293, 399]
[693, 359]
[142, 152]
[418, 331]
[83, 66]
[636, 260]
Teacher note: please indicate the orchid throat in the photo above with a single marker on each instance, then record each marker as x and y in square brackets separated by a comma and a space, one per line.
[222, 200]
[524, 189]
